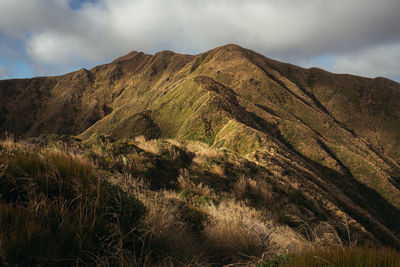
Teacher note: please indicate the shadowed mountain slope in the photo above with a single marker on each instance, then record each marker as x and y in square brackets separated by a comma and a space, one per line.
[335, 137]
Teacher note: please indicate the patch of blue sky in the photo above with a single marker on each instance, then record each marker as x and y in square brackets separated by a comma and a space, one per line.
[323, 62]
[77, 4]
[14, 62]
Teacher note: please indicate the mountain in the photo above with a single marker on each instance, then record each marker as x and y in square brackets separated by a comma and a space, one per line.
[333, 137]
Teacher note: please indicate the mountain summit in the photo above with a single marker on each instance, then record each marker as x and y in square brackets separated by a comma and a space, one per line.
[334, 137]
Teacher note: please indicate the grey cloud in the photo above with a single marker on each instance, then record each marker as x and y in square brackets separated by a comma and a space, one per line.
[57, 38]
[383, 60]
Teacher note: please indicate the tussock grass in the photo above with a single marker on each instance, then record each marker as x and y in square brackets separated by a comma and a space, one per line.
[199, 189]
[65, 201]
[202, 149]
[199, 160]
[346, 256]
[148, 145]
[217, 170]
[259, 192]
[54, 210]
[10, 144]
[167, 235]
[236, 232]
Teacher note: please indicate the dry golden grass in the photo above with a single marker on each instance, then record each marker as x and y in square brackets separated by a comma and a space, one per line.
[140, 139]
[172, 150]
[240, 188]
[174, 142]
[240, 232]
[345, 257]
[199, 189]
[163, 213]
[286, 240]
[321, 235]
[10, 144]
[149, 145]
[192, 224]
[166, 236]
[58, 212]
[200, 160]
[233, 230]
[202, 149]
[166, 232]
[217, 170]
[237, 231]
[257, 188]
[55, 152]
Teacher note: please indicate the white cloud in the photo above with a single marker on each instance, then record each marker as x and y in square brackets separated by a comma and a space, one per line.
[57, 38]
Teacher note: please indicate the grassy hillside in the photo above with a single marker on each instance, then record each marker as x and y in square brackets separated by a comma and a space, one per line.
[157, 202]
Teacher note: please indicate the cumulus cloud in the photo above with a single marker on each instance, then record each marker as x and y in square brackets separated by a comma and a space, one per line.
[57, 38]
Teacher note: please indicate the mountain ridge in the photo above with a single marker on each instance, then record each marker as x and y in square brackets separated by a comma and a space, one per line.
[335, 134]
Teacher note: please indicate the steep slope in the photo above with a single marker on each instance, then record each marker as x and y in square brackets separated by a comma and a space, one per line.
[334, 136]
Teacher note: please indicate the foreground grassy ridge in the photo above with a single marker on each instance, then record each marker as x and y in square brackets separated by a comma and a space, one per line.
[347, 257]
[337, 257]
[55, 210]
[152, 202]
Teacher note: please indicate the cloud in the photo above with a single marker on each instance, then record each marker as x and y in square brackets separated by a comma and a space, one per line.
[58, 38]
[383, 60]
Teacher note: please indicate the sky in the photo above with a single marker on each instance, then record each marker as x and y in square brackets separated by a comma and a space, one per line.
[51, 37]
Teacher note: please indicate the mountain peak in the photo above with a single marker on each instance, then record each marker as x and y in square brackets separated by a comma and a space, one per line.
[128, 56]
[230, 47]
[164, 53]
